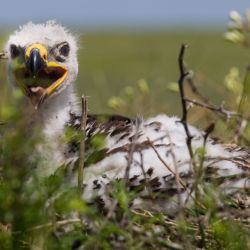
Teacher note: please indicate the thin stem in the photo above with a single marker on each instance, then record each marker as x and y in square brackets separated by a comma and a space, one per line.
[82, 143]
[226, 113]
[183, 75]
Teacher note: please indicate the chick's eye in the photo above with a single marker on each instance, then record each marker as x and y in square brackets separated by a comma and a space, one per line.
[14, 51]
[64, 50]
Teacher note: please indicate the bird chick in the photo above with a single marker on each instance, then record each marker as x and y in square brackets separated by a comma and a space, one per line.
[149, 153]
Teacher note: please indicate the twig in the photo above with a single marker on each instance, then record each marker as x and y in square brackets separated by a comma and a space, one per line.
[199, 180]
[183, 75]
[112, 209]
[56, 224]
[143, 213]
[177, 176]
[226, 113]
[132, 148]
[82, 143]
[213, 160]
[166, 165]
[3, 55]
[141, 164]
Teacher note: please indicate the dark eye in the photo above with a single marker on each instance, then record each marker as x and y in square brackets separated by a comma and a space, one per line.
[64, 49]
[14, 51]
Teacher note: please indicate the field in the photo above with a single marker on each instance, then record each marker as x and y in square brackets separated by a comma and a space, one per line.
[110, 61]
[138, 69]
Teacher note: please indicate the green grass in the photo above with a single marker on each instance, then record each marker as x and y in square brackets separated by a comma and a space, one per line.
[110, 61]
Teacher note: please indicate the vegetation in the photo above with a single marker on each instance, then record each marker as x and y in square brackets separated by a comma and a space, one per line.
[130, 73]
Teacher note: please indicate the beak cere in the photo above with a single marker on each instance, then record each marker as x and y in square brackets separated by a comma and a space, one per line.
[39, 78]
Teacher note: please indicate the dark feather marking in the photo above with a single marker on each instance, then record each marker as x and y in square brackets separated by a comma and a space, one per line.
[221, 179]
[134, 137]
[99, 201]
[103, 123]
[172, 191]
[185, 174]
[157, 125]
[91, 130]
[96, 156]
[133, 178]
[142, 181]
[124, 135]
[155, 182]
[137, 188]
[119, 128]
[96, 184]
[150, 171]
[168, 176]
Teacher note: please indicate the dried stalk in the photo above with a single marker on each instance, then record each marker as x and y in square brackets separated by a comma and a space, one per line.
[82, 143]
[177, 176]
[56, 224]
[132, 148]
[226, 113]
[183, 75]
[166, 165]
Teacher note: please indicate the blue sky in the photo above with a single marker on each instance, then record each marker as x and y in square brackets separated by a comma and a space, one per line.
[126, 13]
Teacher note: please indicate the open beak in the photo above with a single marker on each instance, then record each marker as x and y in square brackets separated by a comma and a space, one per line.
[38, 77]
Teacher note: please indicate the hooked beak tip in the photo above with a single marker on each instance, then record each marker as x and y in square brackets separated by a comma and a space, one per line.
[35, 62]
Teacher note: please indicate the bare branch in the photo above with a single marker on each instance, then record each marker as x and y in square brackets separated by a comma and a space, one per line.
[183, 75]
[226, 113]
[241, 121]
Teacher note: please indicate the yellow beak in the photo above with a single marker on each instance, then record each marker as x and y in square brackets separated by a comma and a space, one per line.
[37, 76]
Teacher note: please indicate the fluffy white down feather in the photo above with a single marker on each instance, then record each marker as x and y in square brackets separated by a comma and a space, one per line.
[168, 137]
